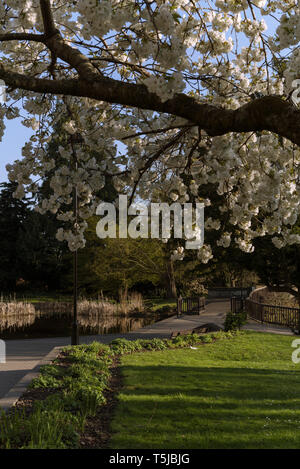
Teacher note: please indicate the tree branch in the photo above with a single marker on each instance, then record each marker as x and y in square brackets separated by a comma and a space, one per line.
[48, 21]
[22, 37]
[268, 113]
[55, 42]
[154, 157]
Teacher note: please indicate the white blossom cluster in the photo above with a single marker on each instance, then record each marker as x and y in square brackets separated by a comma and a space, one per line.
[178, 254]
[87, 178]
[218, 52]
[165, 89]
[205, 254]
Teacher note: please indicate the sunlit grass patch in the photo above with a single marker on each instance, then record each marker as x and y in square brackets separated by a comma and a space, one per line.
[237, 393]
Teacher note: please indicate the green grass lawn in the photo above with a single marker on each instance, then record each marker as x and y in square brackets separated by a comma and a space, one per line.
[159, 303]
[242, 392]
[37, 298]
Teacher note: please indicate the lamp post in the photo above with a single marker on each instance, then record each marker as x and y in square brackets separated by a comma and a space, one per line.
[75, 328]
[75, 331]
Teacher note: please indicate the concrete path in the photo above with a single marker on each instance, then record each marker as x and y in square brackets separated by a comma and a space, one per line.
[274, 329]
[23, 356]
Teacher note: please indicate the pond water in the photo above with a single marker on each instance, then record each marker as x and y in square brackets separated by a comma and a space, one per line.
[31, 326]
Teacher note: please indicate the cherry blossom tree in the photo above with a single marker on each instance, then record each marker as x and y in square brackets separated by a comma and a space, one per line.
[198, 92]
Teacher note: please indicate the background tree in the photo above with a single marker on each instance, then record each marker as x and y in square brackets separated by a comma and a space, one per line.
[278, 269]
[40, 255]
[109, 265]
[13, 215]
[29, 251]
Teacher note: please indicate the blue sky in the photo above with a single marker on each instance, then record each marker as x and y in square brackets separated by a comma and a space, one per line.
[15, 136]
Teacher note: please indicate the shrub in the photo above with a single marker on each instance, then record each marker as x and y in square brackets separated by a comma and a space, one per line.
[206, 339]
[191, 339]
[122, 346]
[195, 288]
[234, 321]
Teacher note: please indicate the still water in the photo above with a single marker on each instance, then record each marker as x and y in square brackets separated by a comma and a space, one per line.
[31, 326]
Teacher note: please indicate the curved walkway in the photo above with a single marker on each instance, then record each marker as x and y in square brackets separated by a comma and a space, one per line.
[23, 356]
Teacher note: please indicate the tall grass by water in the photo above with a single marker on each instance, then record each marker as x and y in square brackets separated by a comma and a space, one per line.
[129, 302]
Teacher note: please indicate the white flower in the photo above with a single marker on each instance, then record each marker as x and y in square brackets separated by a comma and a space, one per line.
[70, 127]
[277, 242]
[205, 254]
[225, 240]
[178, 254]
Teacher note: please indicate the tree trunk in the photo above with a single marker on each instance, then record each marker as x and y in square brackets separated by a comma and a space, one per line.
[171, 282]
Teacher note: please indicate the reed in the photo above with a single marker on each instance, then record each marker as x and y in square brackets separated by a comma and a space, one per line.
[16, 308]
[128, 303]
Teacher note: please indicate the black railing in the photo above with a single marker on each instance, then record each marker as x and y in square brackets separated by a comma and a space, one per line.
[271, 314]
[237, 304]
[190, 305]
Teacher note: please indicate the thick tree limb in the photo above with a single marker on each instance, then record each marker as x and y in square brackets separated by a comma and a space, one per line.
[22, 37]
[73, 57]
[55, 42]
[268, 113]
[48, 20]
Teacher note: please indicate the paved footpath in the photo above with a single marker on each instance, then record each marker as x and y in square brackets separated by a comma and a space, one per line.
[23, 356]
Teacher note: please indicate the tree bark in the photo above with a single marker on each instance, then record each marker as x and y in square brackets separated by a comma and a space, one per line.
[171, 282]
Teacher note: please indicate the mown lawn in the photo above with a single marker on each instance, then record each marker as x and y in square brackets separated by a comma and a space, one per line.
[242, 392]
[159, 303]
[37, 298]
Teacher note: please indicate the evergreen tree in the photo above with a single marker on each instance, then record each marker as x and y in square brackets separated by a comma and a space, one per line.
[13, 215]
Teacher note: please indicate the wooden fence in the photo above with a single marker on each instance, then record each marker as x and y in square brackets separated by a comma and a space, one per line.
[271, 314]
[190, 305]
